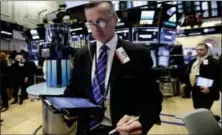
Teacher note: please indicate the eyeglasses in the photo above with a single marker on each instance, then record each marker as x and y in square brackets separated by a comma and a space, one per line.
[100, 24]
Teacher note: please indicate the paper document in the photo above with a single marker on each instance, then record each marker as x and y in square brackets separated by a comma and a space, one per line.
[204, 82]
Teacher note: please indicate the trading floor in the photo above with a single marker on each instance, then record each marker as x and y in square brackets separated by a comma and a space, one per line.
[25, 119]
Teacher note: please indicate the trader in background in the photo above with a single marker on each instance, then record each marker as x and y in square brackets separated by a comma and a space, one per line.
[122, 83]
[207, 67]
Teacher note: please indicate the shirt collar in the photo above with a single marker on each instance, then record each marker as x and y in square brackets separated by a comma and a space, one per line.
[202, 58]
[111, 44]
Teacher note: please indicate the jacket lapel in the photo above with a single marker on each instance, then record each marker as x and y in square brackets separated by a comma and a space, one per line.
[116, 64]
[89, 61]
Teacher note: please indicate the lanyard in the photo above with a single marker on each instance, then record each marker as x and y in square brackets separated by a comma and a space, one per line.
[98, 80]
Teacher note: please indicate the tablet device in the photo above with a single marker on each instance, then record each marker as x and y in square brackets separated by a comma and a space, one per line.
[204, 82]
[68, 102]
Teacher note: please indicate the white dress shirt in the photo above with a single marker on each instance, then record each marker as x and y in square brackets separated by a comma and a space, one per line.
[110, 54]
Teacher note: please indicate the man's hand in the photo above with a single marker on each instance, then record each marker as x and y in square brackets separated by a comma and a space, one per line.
[205, 90]
[124, 128]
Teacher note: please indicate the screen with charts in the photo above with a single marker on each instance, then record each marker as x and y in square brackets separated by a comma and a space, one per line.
[147, 17]
[163, 56]
[123, 33]
[168, 35]
[145, 34]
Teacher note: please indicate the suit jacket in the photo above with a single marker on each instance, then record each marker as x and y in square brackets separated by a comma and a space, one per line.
[210, 71]
[134, 90]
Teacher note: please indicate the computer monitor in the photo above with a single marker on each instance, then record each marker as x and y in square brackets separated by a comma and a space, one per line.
[145, 34]
[168, 36]
[34, 34]
[163, 56]
[123, 33]
[147, 17]
[78, 41]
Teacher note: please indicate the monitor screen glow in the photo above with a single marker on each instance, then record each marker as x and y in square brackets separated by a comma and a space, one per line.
[147, 17]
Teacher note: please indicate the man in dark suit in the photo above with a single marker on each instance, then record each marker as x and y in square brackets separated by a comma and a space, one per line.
[207, 67]
[120, 71]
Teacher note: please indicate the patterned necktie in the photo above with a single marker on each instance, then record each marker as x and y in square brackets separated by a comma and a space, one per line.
[98, 84]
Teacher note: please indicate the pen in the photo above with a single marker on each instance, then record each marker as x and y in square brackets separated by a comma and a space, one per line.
[127, 123]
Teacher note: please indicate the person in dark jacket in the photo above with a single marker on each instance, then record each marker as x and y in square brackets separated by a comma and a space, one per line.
[4, 82]
[123, 84]
[207, 67]
[20, 78]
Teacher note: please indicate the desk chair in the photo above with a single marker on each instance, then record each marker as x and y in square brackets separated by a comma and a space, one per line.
[201, 122]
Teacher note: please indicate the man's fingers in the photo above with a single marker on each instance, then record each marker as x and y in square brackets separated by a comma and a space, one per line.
[123, 120]
[135, 126]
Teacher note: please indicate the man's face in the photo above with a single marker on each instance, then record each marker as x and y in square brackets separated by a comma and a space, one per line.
[201, 51]
[97, 14]
[19, 58]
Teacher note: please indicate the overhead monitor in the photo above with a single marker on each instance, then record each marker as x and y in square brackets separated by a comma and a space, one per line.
[204, 5]
[145, 34]
[123, 33]
[168, 35]
[34, 34]
[171, 11]
[147, 17]
[213, 4]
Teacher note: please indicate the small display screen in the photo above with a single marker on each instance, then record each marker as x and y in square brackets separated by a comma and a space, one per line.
[167, 35]
[144, 34]
[78, 41]
[123, 33]
[163, 53]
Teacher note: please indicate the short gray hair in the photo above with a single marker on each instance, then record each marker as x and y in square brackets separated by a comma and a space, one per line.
[93, 4]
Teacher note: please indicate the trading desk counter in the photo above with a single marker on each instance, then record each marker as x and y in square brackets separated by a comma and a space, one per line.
[52, 123]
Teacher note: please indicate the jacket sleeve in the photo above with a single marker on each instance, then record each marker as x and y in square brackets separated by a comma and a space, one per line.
[149, 114]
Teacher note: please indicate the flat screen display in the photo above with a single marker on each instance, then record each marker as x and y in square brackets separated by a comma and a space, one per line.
[171, 11]
[204, 5]
[167, 35]
[146, 17]
[163, 56]
[213, 4]
[144, 34]
[78, 41]
[34, 34]
[123, 33]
